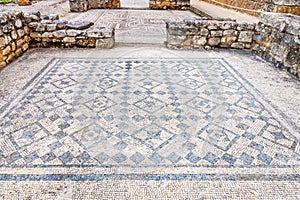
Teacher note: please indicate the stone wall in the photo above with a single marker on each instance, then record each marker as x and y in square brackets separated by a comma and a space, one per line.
[84, 5]
[199, 33]
[275, 38]
[14, 36]
[49, 31]
[19, 31]
[169, 4]
[252, 6]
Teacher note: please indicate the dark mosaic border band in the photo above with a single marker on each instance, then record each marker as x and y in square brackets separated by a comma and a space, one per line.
[148, 177]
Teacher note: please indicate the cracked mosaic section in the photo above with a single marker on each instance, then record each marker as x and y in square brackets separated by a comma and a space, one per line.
[142, 113]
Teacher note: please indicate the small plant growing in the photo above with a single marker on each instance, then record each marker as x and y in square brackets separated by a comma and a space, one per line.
[7, 1]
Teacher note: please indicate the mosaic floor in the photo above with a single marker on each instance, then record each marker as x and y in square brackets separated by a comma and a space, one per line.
[144, 119]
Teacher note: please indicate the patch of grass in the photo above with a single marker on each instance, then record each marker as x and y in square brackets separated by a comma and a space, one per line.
[7, 1]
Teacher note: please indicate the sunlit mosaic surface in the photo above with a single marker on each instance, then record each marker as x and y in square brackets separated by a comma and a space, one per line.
[135, 115]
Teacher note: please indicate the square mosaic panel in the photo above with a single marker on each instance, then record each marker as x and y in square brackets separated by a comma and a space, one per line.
[144, 114]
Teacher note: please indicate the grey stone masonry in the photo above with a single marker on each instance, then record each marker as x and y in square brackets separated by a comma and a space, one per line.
[275, 38]
[14, 36]
[19, 31]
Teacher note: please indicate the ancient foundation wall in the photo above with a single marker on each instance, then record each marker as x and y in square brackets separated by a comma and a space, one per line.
[169, 4]
[252, 6]
[84, 5]
[14, 37]
[275, 38]
[19, 31]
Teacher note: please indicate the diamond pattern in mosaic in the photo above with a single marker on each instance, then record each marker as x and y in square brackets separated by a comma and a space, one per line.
[201, 104]
[154, 136]
[218, 136]
[150, 104]
[148, 83]
[141, 113]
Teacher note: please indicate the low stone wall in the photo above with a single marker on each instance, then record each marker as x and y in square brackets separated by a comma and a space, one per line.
[19, 31]
[84, 5]
[14, 36]
[199, 33]
[254, 7]
[169, 4]
[275, 38]
[52, 32]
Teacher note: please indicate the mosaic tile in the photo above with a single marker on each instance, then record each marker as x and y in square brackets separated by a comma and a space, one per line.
[144, 114]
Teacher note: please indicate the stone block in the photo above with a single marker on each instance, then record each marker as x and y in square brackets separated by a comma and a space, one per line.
[18, 23]
[51, 27]
[216, 33]
[199, 41]
[214, 41]
[78, 5]
[6, 51]
[60, 34]
[40, 27]
[20, 43]
[25, 47]
[105, 43]
[69, 40]
[237, 45]
[204, 31]
[18, 52]
[36, 36]
[79, 25]
[47, 35]
[2, 42]
[13, 46]
[14, 35]
[245, 36]
[21, 33]
[10, 57]
[2, 64]
[73, 32]
[227, 41]
[230, 33]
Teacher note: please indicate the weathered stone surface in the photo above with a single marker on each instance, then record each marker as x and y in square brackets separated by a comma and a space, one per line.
[21, 33]
[47, 35]
[78, 5]
[237, 45]
[216, 33]
[2, 42]
[18, 23]
[214, 41]
[79, 25]
[199, 41]
[73, 33]
[204, 31]
[35, 35]
[69, 40]
[51, 27]
[60, 34]
[245, 36]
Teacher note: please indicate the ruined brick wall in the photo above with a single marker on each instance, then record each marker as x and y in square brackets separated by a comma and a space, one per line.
[110, 4]
[19, 31]
[169, 4]
[252, 6]
[84, 5]
[275, 38]
[14, 36]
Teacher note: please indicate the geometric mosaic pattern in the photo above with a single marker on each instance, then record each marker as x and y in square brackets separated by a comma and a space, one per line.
[142, 113]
